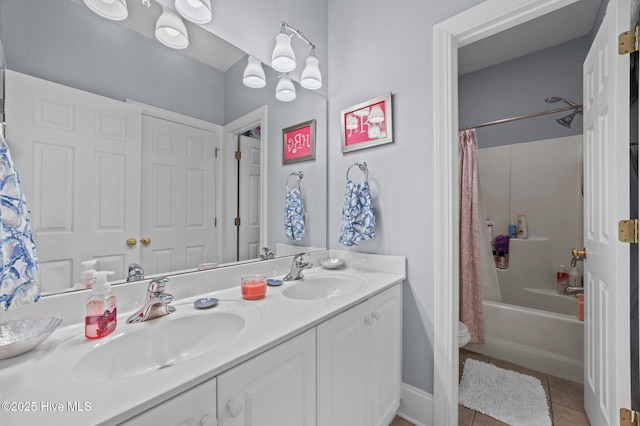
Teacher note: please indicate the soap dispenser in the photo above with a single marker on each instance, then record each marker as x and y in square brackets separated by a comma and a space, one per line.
[101, 319]
[575, 277]
[87, 276]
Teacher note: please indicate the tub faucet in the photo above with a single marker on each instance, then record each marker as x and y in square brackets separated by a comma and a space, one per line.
[156, 303]
[297, 266]
[574, 290]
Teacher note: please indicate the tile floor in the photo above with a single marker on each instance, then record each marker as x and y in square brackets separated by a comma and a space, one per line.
[565, 397]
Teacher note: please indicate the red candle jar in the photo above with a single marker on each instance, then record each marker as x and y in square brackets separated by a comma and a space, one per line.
[254, 286]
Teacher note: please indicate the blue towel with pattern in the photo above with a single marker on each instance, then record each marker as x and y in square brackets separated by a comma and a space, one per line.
[19, 275]
[294, 215]
[358, 220]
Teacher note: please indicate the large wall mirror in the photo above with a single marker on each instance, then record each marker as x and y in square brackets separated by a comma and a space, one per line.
[64, 63]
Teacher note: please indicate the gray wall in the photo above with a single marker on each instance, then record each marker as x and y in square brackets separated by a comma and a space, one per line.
[376, 47]
[519, 87]
[67, 43]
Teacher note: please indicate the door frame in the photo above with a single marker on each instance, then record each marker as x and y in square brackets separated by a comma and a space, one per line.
[229, 191]
[479, 22]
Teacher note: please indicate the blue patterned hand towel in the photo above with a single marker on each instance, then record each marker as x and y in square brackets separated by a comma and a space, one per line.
[19, 275]
[294, 215]
[358, 221]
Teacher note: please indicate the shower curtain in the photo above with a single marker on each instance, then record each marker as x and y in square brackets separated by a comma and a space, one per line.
[470, 273]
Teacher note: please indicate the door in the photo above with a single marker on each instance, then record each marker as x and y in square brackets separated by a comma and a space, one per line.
[178, 196]
[606, 201]
[83, 191]
[275, 388]
[249, 198]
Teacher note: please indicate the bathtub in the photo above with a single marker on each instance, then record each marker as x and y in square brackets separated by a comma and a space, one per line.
[545, 341]
[532, 325]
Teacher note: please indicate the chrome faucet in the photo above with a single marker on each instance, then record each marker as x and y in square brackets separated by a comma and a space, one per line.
[136, 273]
[574, 290]
[297, 266]
[156, 303]
[267, 254]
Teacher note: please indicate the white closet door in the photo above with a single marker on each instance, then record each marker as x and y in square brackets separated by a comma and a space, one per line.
[249, 199]
[178, 196]
[78, 155]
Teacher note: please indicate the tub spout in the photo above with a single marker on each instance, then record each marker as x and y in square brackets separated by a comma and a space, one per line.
[574, 290]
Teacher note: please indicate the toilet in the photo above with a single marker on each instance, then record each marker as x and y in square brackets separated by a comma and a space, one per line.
[463, 335]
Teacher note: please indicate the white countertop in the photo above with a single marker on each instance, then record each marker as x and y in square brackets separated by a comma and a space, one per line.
[41, 387]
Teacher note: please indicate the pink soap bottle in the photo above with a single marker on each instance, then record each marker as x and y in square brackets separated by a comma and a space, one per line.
[101, 319]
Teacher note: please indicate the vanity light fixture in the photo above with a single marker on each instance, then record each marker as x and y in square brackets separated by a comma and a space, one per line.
[285, 90]
[116, 10]
[198, 11]
[171, 31]
[254, 76]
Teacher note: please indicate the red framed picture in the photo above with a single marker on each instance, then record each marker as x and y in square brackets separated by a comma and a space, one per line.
[299, 142]
[367, 124]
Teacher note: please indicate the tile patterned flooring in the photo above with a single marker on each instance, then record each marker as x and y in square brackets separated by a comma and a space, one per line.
[565, 398]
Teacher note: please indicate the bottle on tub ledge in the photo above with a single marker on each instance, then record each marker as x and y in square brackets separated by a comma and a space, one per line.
[501, 248]
[562, 279]
[513, 233]
[523, 232]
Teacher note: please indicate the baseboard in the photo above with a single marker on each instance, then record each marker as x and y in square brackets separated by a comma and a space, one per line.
[416, 405]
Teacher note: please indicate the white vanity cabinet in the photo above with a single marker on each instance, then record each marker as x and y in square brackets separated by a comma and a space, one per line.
[194, 407]
[359, 363]
[275, 388]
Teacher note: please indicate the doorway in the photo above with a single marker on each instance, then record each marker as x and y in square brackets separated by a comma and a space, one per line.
[485, 20]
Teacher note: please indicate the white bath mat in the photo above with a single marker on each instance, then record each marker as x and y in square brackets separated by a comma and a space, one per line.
[511, 397]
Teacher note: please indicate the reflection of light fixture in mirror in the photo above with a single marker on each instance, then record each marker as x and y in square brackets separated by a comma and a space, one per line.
[254, 76]
[198, 11]
[116, 10]
[285, 91]
[376, 115]
[283, 59]
[311, 78]
[171, 31]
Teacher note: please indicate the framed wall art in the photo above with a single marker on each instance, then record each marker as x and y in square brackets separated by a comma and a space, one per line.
[299, 142]
[367, 124]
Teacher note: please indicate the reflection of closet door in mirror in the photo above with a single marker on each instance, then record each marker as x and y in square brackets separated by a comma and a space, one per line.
[78, 155]
[249, 198]
[178, 195]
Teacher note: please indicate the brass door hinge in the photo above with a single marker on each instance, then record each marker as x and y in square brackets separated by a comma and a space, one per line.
[628, 231]
[629, 417]
[216, 150]
[238, 155]
[628, 41]
[236, 221]
[215, 222]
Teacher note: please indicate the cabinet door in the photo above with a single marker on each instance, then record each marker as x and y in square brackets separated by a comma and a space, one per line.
[197, 406]
[276, 388]
[385, 351]
[342, 369]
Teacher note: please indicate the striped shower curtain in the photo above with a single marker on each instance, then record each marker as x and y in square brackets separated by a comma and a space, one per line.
[470, 275]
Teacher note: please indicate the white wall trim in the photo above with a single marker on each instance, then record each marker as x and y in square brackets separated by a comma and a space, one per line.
[481, 21]
[230, 170]
[416, 405]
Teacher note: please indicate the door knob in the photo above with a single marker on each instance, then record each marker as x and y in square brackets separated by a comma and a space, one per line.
[578, 255]
[145, 241]
[131, 242]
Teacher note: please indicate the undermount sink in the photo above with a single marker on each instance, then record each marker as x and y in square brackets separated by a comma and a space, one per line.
[324, 286]
[152, 345]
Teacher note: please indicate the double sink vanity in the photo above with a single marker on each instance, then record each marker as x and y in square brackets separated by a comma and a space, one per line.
[324, 349]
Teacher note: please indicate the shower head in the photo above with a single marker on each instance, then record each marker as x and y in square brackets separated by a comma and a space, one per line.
[566, 121]
[553, 99]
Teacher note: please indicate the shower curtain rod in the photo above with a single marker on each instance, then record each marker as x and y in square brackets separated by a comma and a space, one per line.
[522, 117]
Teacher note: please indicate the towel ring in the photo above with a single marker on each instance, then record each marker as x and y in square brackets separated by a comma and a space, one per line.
[299, 175]
[362, 165]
